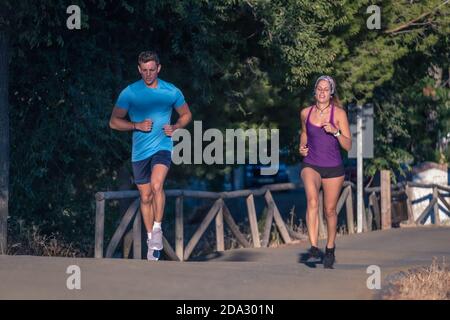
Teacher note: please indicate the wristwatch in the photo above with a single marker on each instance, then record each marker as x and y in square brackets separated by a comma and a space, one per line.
[337, 134]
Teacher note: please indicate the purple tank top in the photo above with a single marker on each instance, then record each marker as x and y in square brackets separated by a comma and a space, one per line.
[324, 148]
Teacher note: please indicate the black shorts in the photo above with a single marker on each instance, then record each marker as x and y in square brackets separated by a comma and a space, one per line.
[326, 172]
[142, 169]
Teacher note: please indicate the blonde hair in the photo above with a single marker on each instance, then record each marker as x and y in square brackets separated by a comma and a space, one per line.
[336, 102]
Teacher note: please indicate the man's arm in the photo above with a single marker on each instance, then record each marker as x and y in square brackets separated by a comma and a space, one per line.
[118, 122]
[185, 116]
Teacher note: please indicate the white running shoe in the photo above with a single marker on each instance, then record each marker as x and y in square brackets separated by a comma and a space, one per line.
[156, 242]
[152, 255]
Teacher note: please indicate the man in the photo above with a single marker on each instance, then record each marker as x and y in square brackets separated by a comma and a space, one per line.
[149, 104]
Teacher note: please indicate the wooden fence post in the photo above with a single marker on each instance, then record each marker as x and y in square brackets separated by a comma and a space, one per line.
[99, 225]
[437, 220]
[5, 144]
[168, 250]
[278, 218]
[179, 235]
[364, 218]
[369, 216]
[409, 195]
[386, 215]
[376, 210]
[122, 228]
[137, 236]
[127, 243]
[349, 209]
[342, 199]
[202, 228]
[253, 221]
[444, 202]
[267, 225]
[220, 237]
[228, 218]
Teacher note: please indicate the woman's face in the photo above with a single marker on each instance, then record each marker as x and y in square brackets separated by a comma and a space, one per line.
[323, 92]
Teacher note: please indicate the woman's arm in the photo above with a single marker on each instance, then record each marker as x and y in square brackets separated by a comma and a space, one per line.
[345, 138]
[303, 134]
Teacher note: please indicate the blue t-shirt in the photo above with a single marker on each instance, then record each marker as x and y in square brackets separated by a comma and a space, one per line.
[156, 104]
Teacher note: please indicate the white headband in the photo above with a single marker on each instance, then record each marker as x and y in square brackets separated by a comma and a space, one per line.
[330, 81]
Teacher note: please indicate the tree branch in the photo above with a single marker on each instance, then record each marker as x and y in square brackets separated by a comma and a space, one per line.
[406, 25]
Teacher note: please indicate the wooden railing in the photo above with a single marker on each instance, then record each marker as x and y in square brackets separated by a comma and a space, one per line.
[218, 212]
[379, 199]
[433, 206]
[378, 211]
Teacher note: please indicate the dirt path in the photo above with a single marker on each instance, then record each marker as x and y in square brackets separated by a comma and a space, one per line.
[269, 273]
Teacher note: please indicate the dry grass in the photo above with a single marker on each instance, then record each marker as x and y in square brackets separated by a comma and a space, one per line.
[445, 223]
[429, 283]
[33, 242]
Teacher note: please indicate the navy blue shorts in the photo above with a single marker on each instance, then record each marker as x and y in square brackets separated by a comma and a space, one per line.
[326, 172]
[142, 169]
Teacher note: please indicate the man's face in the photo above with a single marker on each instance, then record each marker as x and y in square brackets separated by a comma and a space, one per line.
[149, 71]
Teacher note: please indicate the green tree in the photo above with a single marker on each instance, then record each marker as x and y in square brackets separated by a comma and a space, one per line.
[240, 64]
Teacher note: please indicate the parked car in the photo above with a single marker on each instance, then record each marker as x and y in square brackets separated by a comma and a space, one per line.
[254, 179]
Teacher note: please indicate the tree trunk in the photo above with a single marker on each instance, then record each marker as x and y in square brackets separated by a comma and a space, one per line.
[4, 140]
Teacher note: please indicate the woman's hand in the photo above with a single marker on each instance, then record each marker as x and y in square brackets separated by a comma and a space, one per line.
[329, 127]
[303, 150]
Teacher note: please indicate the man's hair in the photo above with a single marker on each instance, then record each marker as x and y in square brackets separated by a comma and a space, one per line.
[147, 56]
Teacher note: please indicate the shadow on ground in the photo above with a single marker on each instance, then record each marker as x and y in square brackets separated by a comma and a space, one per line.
[238, 256]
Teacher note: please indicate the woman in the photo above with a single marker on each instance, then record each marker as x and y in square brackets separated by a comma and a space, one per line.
[324, 130]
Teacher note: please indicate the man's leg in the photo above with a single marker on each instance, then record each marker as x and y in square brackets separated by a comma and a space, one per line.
[145, 193]
[141, 174]
[148, 216]
[159, 173]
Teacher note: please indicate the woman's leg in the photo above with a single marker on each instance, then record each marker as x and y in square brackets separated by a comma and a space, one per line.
[331, 192]
[311, 180]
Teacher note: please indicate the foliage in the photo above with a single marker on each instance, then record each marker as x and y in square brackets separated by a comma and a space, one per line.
[240, 64]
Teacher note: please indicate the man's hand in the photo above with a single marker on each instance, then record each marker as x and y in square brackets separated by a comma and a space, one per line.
[329, 127]
[169, 129]
[145, 125]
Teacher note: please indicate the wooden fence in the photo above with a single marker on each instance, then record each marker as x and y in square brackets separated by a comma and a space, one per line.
[218, 212]
[378, 214]
[379, 206]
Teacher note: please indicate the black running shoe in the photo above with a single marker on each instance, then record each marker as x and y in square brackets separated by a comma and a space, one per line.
[314, 255]
[329, 258]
